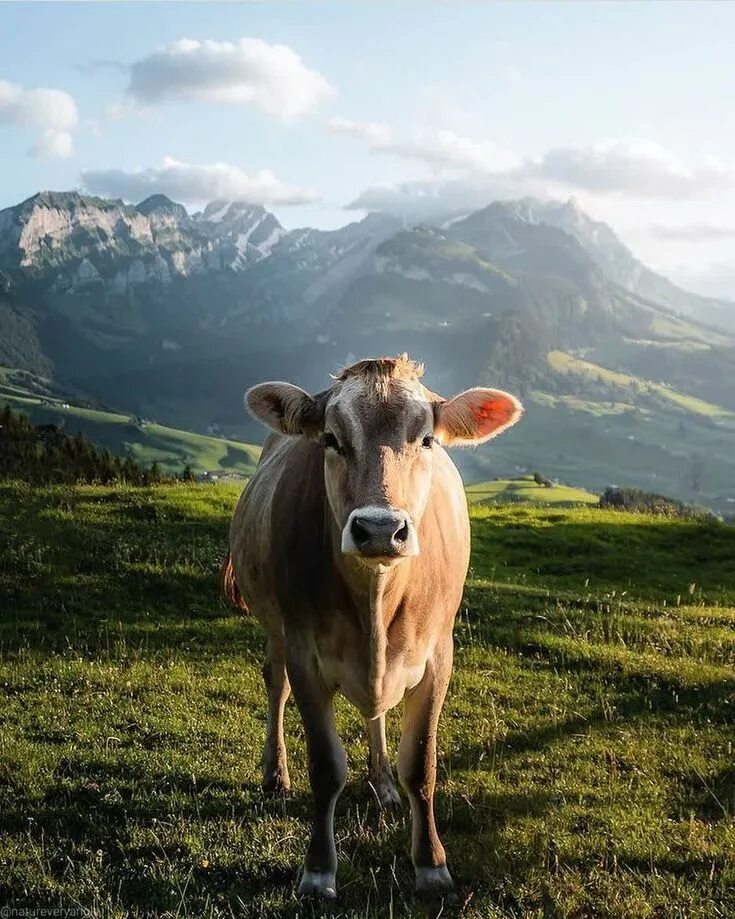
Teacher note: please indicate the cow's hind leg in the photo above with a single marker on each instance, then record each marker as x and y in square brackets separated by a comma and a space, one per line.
[327, 772]
[275, 765]
[380, 774]
[417, 772]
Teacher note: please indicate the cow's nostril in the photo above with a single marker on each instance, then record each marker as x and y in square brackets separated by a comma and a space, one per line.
[360, 533]
[401, 535]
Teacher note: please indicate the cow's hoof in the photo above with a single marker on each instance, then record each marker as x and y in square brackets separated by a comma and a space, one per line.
[321, 884]
[435, 882]
[383, 785]
[389, 797]
[276, 785]
[384, 788]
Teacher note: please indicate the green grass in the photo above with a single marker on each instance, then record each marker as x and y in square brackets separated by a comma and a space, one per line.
[170, 447]
[524, 490]
[565, 363]
[677, 329]
[586, 748]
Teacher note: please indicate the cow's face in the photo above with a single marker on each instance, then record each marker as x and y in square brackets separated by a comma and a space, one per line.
[379, 448]
[380, 430]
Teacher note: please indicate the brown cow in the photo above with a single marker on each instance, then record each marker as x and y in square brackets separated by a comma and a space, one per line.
[350, 544]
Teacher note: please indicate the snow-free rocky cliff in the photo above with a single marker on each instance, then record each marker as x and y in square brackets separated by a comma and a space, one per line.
[69, 241]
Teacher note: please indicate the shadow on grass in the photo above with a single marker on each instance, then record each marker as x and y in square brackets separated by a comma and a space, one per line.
[97, 800]
[123, 813]
[101, 813]
[644, 697]
[708, 796]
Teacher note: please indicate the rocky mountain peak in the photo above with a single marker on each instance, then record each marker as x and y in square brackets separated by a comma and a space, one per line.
[51, 229]
[245, 232]
[66, 200]
[163, 205]
[229, 211]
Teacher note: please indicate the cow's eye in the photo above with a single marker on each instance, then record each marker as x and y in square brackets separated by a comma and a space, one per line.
[428, 441]
[330, 442]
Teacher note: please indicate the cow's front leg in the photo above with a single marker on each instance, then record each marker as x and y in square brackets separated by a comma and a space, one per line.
[380, 774]
[327, 772]
[417, 771]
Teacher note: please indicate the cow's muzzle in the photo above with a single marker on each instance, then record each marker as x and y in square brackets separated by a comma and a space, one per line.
[380, 533]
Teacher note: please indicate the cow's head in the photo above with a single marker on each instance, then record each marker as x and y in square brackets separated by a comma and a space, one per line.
[380, 429]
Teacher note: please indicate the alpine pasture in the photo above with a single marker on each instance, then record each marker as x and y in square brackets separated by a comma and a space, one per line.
[585, 752]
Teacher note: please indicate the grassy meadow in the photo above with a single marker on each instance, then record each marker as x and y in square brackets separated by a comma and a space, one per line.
[586, 748]
[524, 490]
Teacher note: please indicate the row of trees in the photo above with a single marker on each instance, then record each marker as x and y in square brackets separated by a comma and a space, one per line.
[43, 454]
[635, 499]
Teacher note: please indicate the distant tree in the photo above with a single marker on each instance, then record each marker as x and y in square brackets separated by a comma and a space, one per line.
[696, 470]
[187, 475]
[130, 472]
[540, 479]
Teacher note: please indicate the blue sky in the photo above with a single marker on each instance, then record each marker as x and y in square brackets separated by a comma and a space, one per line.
[626, 106]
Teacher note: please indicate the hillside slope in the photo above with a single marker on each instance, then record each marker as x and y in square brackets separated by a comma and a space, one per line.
[125, 435]
[620, 265]
[618, 389]
[524, 490]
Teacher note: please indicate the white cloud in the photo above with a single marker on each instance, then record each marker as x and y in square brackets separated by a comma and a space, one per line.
[440, 149]
[195, 183]
[272, 78]
[629, 167]
[437, 198]
[52, 111]
[716, 279]
[376, 134]
[692, 233]
[448, 150]
[55, 143]
[468, 171]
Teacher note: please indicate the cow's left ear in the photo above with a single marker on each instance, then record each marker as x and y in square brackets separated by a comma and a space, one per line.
[286, 409]
[474, 416]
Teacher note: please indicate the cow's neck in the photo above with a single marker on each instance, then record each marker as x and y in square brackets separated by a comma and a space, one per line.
[376, 594]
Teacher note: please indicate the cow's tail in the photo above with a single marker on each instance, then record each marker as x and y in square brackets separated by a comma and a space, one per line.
[230, 590]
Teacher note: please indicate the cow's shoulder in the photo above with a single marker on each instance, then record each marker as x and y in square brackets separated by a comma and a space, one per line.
[282, 524]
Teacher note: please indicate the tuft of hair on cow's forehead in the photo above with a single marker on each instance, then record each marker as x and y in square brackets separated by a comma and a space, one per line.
[382, 377]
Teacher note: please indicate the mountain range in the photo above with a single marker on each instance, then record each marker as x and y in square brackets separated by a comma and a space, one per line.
[627, 378]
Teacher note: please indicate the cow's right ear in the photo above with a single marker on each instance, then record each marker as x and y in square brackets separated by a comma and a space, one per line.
[286, 409]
